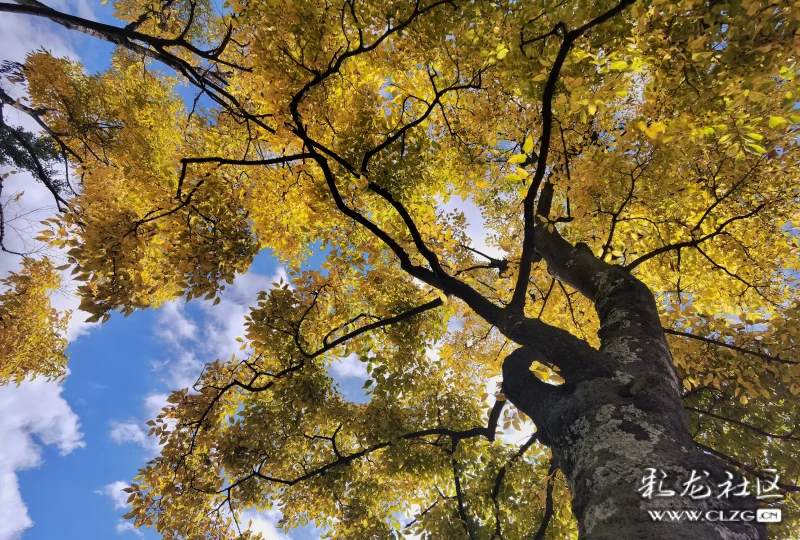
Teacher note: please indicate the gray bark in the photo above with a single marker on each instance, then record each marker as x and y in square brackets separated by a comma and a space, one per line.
[619, 412]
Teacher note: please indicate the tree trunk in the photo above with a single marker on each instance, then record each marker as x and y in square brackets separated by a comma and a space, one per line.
[618, 415]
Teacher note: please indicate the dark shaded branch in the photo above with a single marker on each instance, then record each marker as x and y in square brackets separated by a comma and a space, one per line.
[475, 83]
[422, 514]
[36, 115]
[455, 435]
[785, 437]
[500, 264]
[764, 356]
[226, 161]
[426, 252]
[548, 503]
[121, 36]
[378, 324]
[615, 216]
[251, 387]
[447, 284]
[498, 482]
[733, 188]
[40, 171]
[336, 63]
[151, 47]
[545, 200]
[694, 242]
[747, 468]
[528, 245]
[462, 511]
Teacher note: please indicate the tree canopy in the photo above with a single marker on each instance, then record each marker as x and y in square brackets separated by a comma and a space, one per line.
[656, 139]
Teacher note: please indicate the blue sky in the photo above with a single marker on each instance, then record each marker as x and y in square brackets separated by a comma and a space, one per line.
[68, 449]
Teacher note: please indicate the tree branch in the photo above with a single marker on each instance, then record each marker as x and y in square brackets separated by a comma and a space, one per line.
[694, 242]
[501, 474]
[528, 243]
[153, 47]
[40, 172]
[785, 437]
[764, 356]
[548, 504]
[739, 465]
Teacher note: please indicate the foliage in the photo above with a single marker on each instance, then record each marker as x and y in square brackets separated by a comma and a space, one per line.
[32, 341]
[14, 153]
[661, 136]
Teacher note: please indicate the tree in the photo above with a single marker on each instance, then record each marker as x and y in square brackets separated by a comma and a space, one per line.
[31, 331]
[634, 163]
[32, 339]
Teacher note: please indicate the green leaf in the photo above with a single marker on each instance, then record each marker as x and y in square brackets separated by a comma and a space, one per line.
[777, 122]
[754, 148]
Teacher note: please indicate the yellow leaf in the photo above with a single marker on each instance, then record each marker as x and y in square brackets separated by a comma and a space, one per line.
[654, 129]
[528, 144]
[754, 148]
[777, 122]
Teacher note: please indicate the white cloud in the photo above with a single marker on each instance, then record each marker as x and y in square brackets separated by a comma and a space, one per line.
[34, 414]
[263, 522]
[173, 326]
[114, 492]
[135, 431]
[123, 527]
[476, 225]
[153, 405]
[181, 370]
[225, 322]
[132, 432]
[349, 367]
[128, 432]
[23, 33]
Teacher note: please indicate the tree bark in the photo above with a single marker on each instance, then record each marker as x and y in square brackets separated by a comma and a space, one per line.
[620, 413]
